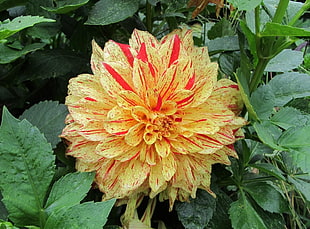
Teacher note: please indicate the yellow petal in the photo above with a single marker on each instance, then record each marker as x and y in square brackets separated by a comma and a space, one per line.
[128, 99]
[135, 134]
[114, 52]
[169, 167]
[157, 181]
[162, 147]
[184, 145]
[112, 147]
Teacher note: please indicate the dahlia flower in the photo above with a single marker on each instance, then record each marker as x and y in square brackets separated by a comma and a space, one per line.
[152, 118]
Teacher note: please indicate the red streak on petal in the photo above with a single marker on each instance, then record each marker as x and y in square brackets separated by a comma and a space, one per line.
[152, 69]
[201, 120]
[134, 156]
[80, 144]
[234, 86]
[119, 79]
[120, 121]
[175, 50]
[121, 133]
[185, 100]
[90, 99]
[142, 55]
[126, 50]
[190, 82]
[159, 103]
[231, 146]
[191, 141]
[109, 169]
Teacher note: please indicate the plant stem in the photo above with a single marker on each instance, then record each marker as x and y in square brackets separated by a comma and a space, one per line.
[304, 8]
[149, 22]
[258, 73]
[280, 12]
[257, 20]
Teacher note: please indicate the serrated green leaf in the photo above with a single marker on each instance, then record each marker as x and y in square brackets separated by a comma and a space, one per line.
[258, 150]
[26, 169]
[8, 28]
[263, 100]
[8, 54]
[106, 12]
[271, 220]
[275, 201]
[227, 43]
[302, 186]
[288, 117]
[274, 29]
[245, 4]
[295, 137]
[69, 191]
[301, 158]
[198, 212]
[86, 215]
[280, 62]
[49, 117]
[221, 29]
[269, 169]
[268, 134]
[243, 215]
[7, 225]
[66, 6]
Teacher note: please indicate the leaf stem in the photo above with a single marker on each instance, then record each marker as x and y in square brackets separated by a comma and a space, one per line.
[149, 22]
[280, 12]
[302, 10]
[257, 20]
[258, 73]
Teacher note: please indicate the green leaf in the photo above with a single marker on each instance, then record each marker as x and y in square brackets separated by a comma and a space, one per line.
[69, 191]
[288, 117]
[7, 225]
[198, 212]
[300, 158]
[53, 63]
[26, 169]
[106, 12]
[274, 29]
[3, 212]
[221, 29]
[243, 215]
[295, 137]
[258, 150]
[269, 169]
[245, 4]
[227, 43]
[86, 215]
[302, 185]
[8, 55]
[250, 38]
[260, 190]
[290, 86]
[49, 117]
[8, 28]
[6, 4]
[65, 6]
[268, 134]
[263, 101]
[229, 62]
[280, 62]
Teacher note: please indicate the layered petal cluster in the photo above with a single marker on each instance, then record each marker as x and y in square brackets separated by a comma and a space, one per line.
[152, 118]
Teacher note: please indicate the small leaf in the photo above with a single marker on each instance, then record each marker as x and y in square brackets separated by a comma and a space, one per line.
[288, 117]
[106, 12]
[269, 169]
[8, 28]
[275, 29]
[227, 43]
[49, 117]
[243, 215]
[229, 62]
[63, 7]
[7, 225]
[69, 191]
[221, 29]
[280, 62]
[302, 185]
[26, 169]
[8, 55]
[86, 215]
[275, 201]
[268, 134]
[198, 212]
[245, 4]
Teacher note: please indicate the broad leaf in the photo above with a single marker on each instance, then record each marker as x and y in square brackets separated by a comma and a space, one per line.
[288, 117]
[69, 191]
[227, 43]
[229, 62]
[198, 212]
[65, 6]
[243, 215]
[300, 158]
[268, 134]
[285, 61]
[221, 29]
[26, 169]
[263, 100]
[8, 28]
[7, 225]
[295, 137]
[106, 12]
[275, 201]
[86, 215]
[275, 29]
[8, 55]
[49, 117]
[6, 4]
[245, 4]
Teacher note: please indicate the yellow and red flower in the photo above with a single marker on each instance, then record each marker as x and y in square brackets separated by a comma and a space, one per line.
[152, 118]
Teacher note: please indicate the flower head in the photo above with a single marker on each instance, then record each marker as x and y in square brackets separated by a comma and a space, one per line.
[152, 118]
